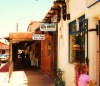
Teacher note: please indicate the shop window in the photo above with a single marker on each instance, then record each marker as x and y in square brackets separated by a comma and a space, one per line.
[72, 26]
[77, 41]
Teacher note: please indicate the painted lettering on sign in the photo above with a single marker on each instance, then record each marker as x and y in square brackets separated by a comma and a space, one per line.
[38, 37]
[48, 26]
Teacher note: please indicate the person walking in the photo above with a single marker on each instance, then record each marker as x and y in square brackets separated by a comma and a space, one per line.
[82, 79]
[22, 56]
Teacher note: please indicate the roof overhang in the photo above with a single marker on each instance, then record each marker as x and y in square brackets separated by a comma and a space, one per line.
[21, 39]
[20, 36]
[51, 13]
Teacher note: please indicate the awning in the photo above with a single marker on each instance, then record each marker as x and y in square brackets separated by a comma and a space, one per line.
[20, 36]
[21, 39]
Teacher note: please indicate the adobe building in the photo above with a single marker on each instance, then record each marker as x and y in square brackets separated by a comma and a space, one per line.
[78, 37]
[44, 51]
[18, 41]
[23, 41]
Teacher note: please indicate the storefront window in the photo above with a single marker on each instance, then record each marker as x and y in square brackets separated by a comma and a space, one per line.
[72, 26]
[77, 41]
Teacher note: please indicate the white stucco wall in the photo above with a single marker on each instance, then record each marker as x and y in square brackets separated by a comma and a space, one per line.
[63, 55]
[93, 11]
[93, 15]
[77, 8]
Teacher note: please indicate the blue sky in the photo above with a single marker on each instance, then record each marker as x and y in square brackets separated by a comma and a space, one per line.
[21, 11]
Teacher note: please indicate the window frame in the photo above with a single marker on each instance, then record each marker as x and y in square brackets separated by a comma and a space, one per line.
[73, 54]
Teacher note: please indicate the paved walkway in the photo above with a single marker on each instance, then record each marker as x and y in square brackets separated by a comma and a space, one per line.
[4, 74]
[23, 75]
[30, 78]
[3, 78]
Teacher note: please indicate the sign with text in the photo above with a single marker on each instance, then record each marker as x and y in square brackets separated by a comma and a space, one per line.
[48, 26]
[90, 3]
[38, 37]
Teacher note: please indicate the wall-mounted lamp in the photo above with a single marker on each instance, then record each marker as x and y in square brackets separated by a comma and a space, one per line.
[97, 29]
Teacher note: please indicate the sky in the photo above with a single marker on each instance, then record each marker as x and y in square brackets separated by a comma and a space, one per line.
[21, 12]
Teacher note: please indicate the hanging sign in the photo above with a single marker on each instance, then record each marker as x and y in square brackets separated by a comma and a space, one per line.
[48, 26]
[38, 36]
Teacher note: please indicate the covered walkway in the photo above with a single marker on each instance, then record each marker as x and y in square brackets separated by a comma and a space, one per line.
[20, 72]
[30, 78]
[25, 75]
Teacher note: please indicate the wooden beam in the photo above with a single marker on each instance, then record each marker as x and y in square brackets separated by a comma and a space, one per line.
[21, 36]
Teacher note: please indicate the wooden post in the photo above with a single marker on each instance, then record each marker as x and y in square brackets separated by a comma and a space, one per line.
[10, 60]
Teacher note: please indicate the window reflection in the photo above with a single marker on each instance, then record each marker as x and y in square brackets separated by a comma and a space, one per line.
[77, 41]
